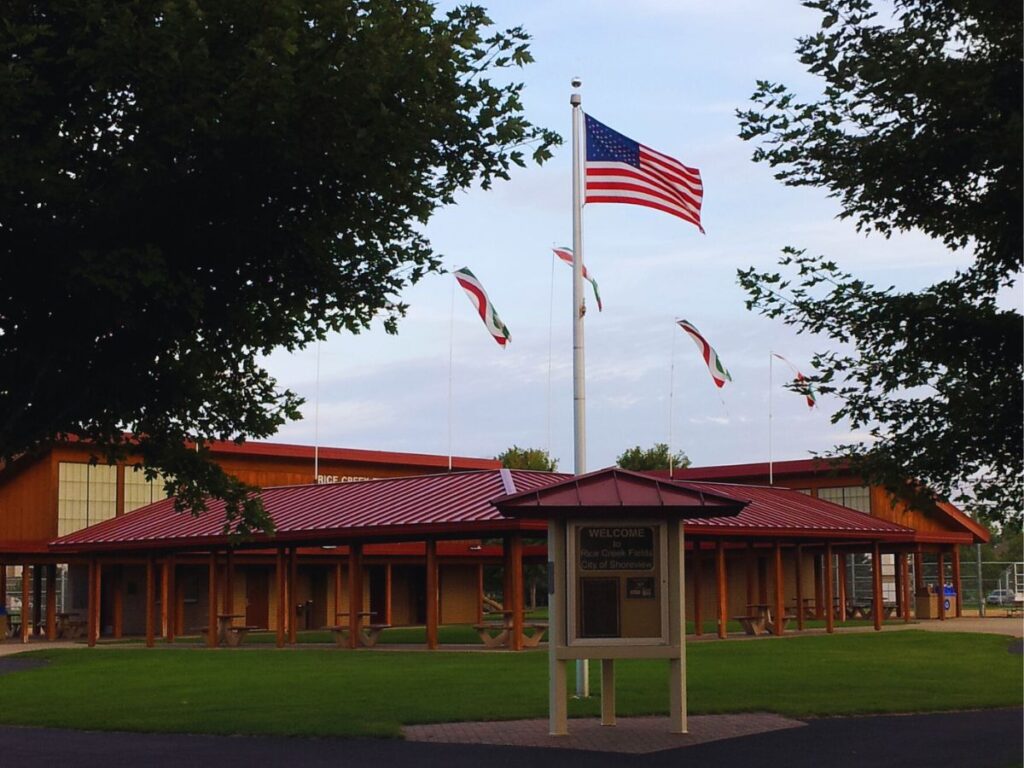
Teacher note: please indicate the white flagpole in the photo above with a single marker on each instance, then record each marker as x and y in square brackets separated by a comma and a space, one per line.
[451, 368]
[671, 395]
[551, 336]
[578, 309]
[771, 474]
[316, 419]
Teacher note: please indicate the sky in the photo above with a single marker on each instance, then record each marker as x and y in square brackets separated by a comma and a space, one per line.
[669, 74]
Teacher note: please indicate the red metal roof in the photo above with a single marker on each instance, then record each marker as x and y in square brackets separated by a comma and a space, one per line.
[393, 508]
[784, 512]
[609, 491]
[286, 450]
[759, 470]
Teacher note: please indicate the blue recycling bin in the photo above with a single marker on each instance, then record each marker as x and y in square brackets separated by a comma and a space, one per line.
[948, 598]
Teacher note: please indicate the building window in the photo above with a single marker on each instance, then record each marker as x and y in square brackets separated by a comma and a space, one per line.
[138, 491]
[856, 497]
[86, 495]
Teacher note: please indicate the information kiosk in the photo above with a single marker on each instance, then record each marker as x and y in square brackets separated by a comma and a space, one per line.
[615, 576]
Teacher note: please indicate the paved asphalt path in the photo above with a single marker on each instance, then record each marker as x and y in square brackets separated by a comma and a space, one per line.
[977, 739]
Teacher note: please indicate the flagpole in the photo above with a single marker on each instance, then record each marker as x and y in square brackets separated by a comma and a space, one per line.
[316, 419]
[551, 337]
[578, 309]
[451, 368]
[671, 395]
[771, 474]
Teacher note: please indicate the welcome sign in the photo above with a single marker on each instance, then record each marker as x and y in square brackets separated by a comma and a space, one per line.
[616, 548]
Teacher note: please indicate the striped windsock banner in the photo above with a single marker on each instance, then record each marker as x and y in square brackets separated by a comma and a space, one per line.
[479, 299]
[566, 255]
[715, 367]
[802, 384]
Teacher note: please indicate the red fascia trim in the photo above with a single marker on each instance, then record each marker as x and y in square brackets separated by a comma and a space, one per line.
[358, 455]
[821, 534]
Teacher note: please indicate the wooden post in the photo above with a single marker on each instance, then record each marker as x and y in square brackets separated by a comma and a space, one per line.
[170, 598]
[37, 599]
[118, 585]
[293, 595]
[26, 602]
[698, 616]
[722, 591]
[906, 586]
[750, 566]
[3, 584]
[780, 608]
[387, 594]
[516, 579]
[480, 593]
[918, 571]
[798, 575]
[607, 691]
[830, 614]
[355, 592]
[876, 584]
[90, 613]
[337, 591]
[150, 600]
[819, 612]
[942, 586]
[229, 582]
[51, 601]
[841, 568]
[956, 582]
[279, 576]
[211, 633]
[897, 573]
[433, 588]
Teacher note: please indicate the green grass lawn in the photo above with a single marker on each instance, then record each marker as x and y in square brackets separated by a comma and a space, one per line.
[333, 692]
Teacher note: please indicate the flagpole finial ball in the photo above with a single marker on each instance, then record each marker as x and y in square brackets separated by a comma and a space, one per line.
[576, 82]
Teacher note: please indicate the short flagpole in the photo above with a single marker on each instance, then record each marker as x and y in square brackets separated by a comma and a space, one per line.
[316, 419]
[578, 310]
[671, 395]
[771, 474]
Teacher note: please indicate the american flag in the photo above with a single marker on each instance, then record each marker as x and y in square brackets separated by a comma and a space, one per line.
[620, 170]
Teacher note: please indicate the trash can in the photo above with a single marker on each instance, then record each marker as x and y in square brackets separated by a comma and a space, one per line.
[949, 599]
[5, 626]
[926, 603]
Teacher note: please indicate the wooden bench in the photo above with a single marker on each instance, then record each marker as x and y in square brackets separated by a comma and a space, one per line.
[368, 634]
[752, 625]
[496, 634]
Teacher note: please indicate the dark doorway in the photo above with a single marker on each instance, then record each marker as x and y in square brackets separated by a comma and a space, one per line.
[316, 609]
[378, 593]
[257, 598]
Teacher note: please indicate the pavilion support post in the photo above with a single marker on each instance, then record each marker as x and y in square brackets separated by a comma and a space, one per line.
[480, 593]
[750, 566]
[557, 629]
[904, 568]
[798, 557]
[150, 601]
[387, 594]
[876, 585]
[830, 614]
[433, 593]
[698, 617]
[337, 589]
[211, 633]
[897, 575]
[516, 584]
[819, 611]
[918, 571]
[721, 587]
[118, 585]
[780, 607]
[292, 589]
[279, 577]
[170, 614]
[355, 592]
[37, 599]
[229, 582]
[607, 691]
[51, 601]
[3, 584]
[841, 569]
[942, 585]
[26, 602]
[956, 583]
[93, 611]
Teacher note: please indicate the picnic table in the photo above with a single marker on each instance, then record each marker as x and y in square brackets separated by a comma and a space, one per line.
[368, 633]
[759, 619]
[498, 634]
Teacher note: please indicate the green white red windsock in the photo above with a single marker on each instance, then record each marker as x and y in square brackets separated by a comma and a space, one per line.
[566, 255]
[718, 372]
[803, 386]
[479, 299]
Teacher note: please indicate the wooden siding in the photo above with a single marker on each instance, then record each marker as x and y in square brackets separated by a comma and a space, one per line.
[28, 503]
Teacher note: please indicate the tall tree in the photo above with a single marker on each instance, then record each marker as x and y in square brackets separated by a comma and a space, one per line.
[527, 458]
[188, 184]
[919, 127]
[656, 457]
